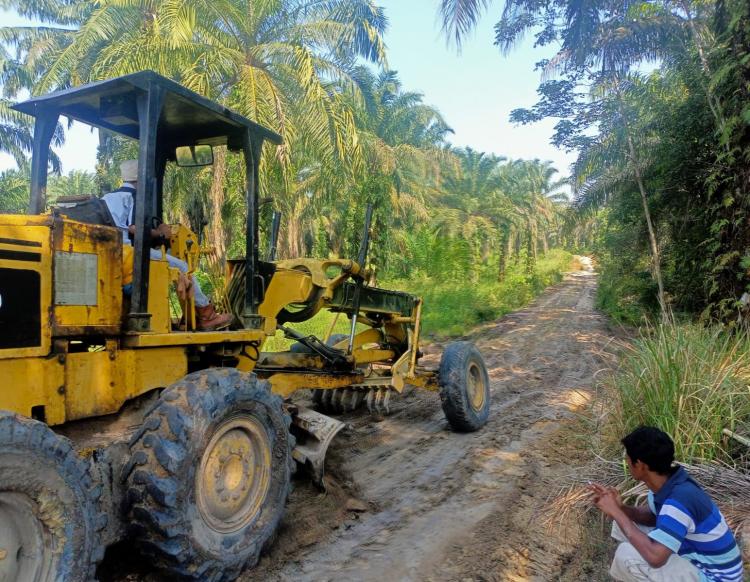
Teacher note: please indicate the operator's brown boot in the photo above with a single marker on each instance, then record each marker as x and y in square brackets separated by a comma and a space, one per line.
[208, 320]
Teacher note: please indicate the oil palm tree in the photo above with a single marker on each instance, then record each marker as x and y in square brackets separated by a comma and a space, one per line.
[273, 60]
[75, 183]
[403, 143]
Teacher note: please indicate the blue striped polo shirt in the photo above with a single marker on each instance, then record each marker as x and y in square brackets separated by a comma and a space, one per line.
[690, 524]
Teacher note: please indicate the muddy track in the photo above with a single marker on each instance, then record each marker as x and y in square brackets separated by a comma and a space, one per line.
[410, 500]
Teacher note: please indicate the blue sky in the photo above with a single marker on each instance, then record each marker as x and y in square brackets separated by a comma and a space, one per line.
[475, 90]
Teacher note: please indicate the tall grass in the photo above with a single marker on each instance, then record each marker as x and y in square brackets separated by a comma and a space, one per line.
[690, 381]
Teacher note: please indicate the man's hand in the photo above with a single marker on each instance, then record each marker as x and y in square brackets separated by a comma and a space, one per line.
[607, 499]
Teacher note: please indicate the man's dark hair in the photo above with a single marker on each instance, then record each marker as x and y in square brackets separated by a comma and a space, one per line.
[652, 446]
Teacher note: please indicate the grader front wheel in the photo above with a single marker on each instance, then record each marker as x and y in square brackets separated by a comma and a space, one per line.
[210, 474]
[49, 519]
[464, 387]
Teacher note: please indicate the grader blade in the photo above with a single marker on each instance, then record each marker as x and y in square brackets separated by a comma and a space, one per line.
[314, 433]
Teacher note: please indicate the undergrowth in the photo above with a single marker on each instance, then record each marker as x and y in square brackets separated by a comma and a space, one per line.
[627, 295]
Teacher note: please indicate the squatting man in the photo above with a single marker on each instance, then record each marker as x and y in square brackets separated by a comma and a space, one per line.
[681, 536]
[121, 204]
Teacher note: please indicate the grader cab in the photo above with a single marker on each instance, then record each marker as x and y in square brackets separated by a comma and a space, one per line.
[118, 420]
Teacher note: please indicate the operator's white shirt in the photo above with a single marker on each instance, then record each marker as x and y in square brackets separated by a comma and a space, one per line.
[120, 206]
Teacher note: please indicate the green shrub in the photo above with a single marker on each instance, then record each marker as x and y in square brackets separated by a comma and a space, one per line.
[626, 296]
[690, 381]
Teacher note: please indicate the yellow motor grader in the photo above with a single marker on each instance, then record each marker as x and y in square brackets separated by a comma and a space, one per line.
[119, 420]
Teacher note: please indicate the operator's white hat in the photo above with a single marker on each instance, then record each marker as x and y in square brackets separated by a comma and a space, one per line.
[129, 171]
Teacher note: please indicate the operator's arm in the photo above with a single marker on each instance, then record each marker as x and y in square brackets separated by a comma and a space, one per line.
[640, 515]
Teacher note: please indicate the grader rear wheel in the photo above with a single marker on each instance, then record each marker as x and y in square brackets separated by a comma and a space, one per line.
[464, 387]
[49, 518]
[210, 474]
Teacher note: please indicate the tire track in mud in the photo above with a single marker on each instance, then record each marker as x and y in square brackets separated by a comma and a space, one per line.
[445, 506]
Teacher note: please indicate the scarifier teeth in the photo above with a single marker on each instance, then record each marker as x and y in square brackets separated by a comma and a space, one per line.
[340, 400]
[357, 397]
[371, 401]
[346, 399]
[336, 400]
[327, 399]
[387, 402]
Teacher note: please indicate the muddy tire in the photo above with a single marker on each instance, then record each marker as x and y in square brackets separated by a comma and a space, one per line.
[464, 387]
[209, 475]
[50, 522]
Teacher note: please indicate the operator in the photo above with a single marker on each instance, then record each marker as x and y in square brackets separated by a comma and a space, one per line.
[121, 204]
[681, 535]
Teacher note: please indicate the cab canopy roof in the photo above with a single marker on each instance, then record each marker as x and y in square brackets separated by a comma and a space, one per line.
[186, 117]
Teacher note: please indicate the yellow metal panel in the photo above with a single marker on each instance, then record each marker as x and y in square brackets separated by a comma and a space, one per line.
[286, 287]
[29, 382]
[190, 338]
[368, 336]
[158, 296]
[24, 220]
[106, 244]
[100, 383]
[370, 356]
[13, 228]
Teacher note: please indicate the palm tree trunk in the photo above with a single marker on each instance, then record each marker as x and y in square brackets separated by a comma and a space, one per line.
[509, 243]
[713, 101]
[502, 262]
[216, 224]
[655, 255]
[530, 255]
[545, 242]
[517, 244]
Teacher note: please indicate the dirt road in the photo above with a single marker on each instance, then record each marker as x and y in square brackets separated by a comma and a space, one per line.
[411, 500]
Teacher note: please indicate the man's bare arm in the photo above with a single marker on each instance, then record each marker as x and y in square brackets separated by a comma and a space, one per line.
[640, 515]
[652, 551]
